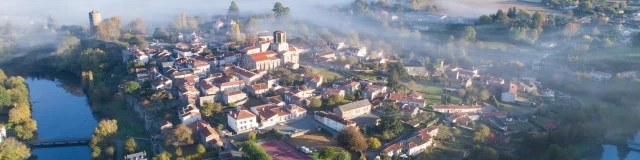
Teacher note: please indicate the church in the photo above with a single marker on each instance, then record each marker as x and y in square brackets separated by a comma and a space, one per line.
[278, 54]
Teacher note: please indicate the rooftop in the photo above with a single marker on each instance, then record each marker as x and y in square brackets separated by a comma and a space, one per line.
[354, 105]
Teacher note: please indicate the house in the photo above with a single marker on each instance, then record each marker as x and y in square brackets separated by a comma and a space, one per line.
[351, 88]
[313, 80]
[418, 144]
[270, 114]
[462, 118]
[393, 149]
[450, 108]
[330, 92]
[528, 87]
[497, 123]
[136, 156]
[508, 97]
[186, 90]
[189, 114]
[332, 121]
[292, 98]
[338, 65]
[246, 75]
[232, 86]
[415, 68]
[3, 133]
[206, 134]
[357, 51]
[408, 111]
[242, 120]
[374, 91]
[237, 97]
[548, 93]
[258, 90]
[353, 109]
[414, 100]
[207, 88]
[465, 74]
[600, 76]
[629, 74]
[163, 83]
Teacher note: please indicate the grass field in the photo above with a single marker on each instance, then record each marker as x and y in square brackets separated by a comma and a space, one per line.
[513, 108]
[329, 75]
[317, 140]
[476, 8]
[615, 59]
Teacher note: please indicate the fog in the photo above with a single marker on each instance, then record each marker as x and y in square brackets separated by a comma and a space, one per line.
[154, 12]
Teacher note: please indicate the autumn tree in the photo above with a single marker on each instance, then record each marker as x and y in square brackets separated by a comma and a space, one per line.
[351, 138]
[109, 29]
[236, 35]
[180, 136]
[12, 149]
[373, 142]
[201, 149]
[469, 33]
[210, 108]
[138, 27]
[252, 137]
[327, 153]
[571, 29]
[162, 156]
[130, 145]
[5, 97]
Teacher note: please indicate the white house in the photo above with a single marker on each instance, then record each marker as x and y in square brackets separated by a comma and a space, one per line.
[600, 76]
[271, 114]
[457, 108]
[548, 93]
[232, 86]
[332, 121]
[242, 121]
[163, 83]
[189, 114]
[353, 109]
[3, 133]
[508, 97]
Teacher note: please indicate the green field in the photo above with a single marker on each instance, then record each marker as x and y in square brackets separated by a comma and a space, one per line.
[616, 59]
[329, 75]
[513, 108]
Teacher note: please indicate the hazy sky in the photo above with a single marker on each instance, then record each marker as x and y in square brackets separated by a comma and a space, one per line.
[152, 11]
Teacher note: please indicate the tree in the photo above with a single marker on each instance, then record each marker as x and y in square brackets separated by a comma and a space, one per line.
[254, 152]
[585, 6]
[280, 10]
[130, 145]
[138, 41]
[138, 27]
[506, 156]
[178, 151]
[109, 29]
[484, 153]
[484, 20]
[501, 17]
[180, 136]
[3, 76]
[327, 153]
[201, 149]
[344, 155]
[131, 86]
[391, 119]
[412, 84]
[12, 149]
[539, 19]
[210, 108]
[160, 33]
[252, 137]
[233, 11]
[251, 26]
[555, 152]
[192, 23]
[469, 33]
[315, 103]
[636, 40]
[162, 156]
[352, 139]
[110, 151]
[571, 29]
[236, 35]
[524, 14]
[373, 142]
[106, 128]
[393, 80]
[5, 97]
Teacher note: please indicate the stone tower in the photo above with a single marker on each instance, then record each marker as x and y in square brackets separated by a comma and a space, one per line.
[94, 20]
[280, 41]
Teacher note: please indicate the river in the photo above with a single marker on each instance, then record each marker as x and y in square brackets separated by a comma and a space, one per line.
[61, 111]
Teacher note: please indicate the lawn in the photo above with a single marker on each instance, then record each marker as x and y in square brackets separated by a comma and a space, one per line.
[329, 75]
[317, 140]
[513, 108]
[615, 59]
[498, 45]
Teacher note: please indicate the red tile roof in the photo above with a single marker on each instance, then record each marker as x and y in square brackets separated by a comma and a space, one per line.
[242, 114]
[264, 56]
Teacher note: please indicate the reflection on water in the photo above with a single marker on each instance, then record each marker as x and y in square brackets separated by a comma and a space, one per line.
[61, 111]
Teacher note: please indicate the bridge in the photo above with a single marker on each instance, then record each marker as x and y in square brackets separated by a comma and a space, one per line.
[58, 142]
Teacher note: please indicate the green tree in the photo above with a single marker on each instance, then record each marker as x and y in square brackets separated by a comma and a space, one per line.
[391, 119]
[12, 149]
[3, 77]
[201, 149]
[393, 81]
[315, 103]
[469, 33]
[5, 97]
[555, 152]
[327, 153]
[344, 155]
[484, 153]
[524, 14]
[130, 145]
[254, 152]
[210, 108]
[138, 41]
[252, 137]
[538, 19]
[251, 26]
[131, 86]
[236, 35]
[484, 20]
[233, 11]
[280, 10]
[351, 138]
[160, 33]
[373, 142]
[180, 136]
